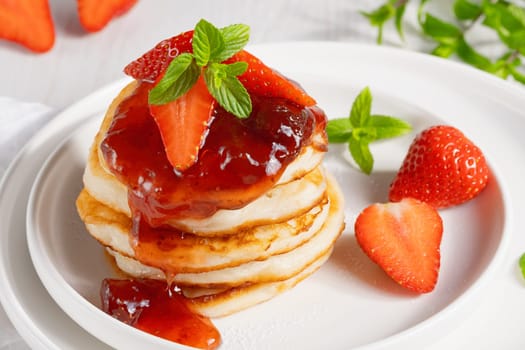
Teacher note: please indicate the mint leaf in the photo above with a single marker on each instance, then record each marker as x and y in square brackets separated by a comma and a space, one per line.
[387, 127]
[471, 56]
[517, 13]
[444, 50]
[228, 90]
[522, 265]
[361, 128]
[515, 40]
[466, 10]
[360, 151]
[236, 68]
[518, 76]
[440, 31]
[361, 108]
[420, 13]
[379, 17]
[400, 12]
[208, 42]
[339, 130]
[236, 36]
[180, 76]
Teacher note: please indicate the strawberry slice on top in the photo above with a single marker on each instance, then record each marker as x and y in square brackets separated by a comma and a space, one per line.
[27, 22]
[183, 124]
[154, 62]
[404, 239]
[259, 79]
[230, 74]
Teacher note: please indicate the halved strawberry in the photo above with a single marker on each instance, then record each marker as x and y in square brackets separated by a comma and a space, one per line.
[183, 124]
[442, 168]
[261, 80]
[403, 238]
[258, 79]
[95, 15]
[153, 63]
[27, 22]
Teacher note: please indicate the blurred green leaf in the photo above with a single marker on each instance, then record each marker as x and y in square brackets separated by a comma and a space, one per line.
[400, 12]
[517, 75]
[379, 17]
[441, 31]
[444, 50]
[466, 10]
[469, 55]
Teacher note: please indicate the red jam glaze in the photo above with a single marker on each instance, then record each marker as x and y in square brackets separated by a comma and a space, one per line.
[240, 160]
[151, 306]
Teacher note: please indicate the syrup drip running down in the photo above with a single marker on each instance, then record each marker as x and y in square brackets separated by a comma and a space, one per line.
[153, 307]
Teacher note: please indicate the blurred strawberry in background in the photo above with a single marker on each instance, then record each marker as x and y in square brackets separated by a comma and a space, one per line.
[30, 23]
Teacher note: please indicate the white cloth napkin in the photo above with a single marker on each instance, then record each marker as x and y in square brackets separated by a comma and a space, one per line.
[18, 122]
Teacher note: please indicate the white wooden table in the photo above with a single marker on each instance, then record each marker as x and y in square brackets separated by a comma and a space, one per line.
[81, 63]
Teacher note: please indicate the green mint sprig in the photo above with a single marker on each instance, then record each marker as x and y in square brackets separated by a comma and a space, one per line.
[362, 128]
[211, 47]
[505, 18]
[381, 15]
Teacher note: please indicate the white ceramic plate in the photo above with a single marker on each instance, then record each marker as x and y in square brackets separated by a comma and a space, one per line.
[349, 302]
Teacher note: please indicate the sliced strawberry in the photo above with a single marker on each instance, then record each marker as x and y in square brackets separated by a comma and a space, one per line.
[154, 62]
[258, 79]
[27, 22]
[442, 168]
[261, 80]
[183, 124]
[403, 239]
[95, 15]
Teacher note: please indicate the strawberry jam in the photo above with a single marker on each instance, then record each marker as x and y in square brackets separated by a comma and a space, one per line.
[153, 307]
[239, 161]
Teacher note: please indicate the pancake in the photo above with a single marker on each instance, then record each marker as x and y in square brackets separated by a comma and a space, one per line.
[105, 187]
[228, 301]
[191, 253]
[275, 268]
[233, 258]
[291, 198]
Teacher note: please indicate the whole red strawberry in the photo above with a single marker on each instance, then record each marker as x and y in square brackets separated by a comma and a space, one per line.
[442, 168]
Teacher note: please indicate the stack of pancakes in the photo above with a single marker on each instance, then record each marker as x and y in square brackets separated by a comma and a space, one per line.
[235, 258]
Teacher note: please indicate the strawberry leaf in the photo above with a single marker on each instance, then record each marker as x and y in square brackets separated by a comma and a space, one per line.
[208, 43]
[228, 90]
[180, 76]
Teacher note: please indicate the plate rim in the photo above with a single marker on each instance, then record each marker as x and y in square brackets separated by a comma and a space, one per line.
[40, 136]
